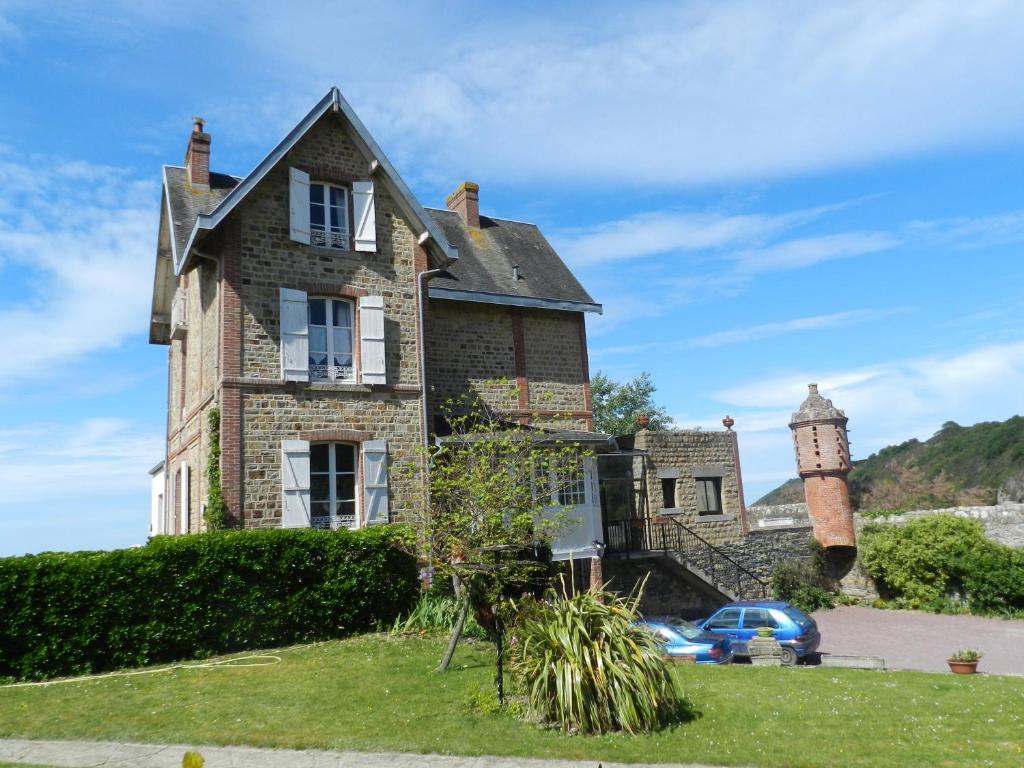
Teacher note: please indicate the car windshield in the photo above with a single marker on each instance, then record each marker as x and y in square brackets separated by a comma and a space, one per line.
[796, 614]
[685, 628]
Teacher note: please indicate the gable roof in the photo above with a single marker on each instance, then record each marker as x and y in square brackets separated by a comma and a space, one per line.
[380, 167]
[487, 258]
[186, 203]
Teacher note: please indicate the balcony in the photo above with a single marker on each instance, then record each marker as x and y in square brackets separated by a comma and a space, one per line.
[179, 314]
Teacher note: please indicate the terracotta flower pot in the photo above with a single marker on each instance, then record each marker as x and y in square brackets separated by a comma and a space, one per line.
[962, 667]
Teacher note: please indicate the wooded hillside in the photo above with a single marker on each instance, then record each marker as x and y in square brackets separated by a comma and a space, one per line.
[957, 466]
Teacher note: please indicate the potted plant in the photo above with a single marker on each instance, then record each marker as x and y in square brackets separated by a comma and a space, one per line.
[764, 650]
[965, 661]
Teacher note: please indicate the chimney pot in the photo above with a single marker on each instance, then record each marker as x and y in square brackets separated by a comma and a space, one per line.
[197, 124]
[465, 201]
[812, 389]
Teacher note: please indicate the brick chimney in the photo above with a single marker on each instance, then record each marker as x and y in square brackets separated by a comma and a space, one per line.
[197, 156]
[465, 201]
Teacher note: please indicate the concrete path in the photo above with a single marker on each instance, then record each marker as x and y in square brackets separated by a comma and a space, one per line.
[90, 754]
[921, 641]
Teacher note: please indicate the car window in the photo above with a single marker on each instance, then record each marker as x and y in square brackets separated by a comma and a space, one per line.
[796, 614]
[728, 618]
[758, 617]
[685, 628]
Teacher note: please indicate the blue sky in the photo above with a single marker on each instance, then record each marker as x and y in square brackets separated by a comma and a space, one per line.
[761, 195]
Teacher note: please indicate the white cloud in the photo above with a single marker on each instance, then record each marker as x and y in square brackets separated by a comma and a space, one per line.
[670, 93]
[886, 403]
[81, 239]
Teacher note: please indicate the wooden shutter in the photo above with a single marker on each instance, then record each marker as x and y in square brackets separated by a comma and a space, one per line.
[294, 335]
[295, 483]
[365, 218]
[375, 482]
[298, 203]
[372, 358]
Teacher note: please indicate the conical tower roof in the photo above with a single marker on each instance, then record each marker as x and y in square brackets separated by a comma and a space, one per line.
[816, 408]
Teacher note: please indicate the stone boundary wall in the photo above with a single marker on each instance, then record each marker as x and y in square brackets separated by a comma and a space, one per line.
[1004, 523]
[762, 516]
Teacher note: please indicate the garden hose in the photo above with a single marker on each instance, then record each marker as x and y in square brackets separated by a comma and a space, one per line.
[256, 660]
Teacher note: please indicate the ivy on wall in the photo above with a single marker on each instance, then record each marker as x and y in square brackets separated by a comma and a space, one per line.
[216, 514]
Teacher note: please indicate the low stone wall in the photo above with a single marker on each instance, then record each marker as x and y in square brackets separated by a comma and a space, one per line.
[1004, 523]
[760, 551]
[778, 516]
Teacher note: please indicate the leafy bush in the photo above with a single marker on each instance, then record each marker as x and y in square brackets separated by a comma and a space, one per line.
[942, 563]
[585, 666]
[804, 584]
[191, 596]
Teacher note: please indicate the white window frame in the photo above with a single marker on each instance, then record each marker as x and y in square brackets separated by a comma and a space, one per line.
[331, 373]
[327, 237]
[334, 521]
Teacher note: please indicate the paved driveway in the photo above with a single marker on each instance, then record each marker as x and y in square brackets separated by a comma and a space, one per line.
[923, 641]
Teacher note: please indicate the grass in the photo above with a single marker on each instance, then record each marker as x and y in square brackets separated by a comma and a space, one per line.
[380, 693]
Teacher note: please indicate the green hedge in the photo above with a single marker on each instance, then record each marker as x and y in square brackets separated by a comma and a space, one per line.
[193, 596]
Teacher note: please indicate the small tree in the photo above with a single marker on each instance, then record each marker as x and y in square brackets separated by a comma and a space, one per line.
[617, 406]
[493, 509]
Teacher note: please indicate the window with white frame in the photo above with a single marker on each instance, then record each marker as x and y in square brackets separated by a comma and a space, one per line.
[331, 340]
[572, 487]
[332, 485]
[328, 215]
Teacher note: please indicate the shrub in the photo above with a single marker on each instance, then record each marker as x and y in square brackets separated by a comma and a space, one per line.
[192, 596]
[585, 666]
[804, 583]
[943, 563]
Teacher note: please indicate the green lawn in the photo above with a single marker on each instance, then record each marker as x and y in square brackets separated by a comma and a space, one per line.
[376, 693]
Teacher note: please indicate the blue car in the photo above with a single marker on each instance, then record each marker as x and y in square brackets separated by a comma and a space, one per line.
[681, 638]
[796, 632]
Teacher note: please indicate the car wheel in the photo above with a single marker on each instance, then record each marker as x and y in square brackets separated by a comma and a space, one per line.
[789, 657]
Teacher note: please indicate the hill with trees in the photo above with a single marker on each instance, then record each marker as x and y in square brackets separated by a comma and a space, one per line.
[957, 466]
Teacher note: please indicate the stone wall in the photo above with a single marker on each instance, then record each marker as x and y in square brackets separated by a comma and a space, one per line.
[272, 410]
[668, 591]
[524, 364]
[1003, 523]
[685, 455]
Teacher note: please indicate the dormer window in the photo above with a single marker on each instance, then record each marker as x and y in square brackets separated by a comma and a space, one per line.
[328, 215]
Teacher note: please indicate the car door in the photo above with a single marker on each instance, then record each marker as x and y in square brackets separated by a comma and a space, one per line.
[726, 623]
[752, 619]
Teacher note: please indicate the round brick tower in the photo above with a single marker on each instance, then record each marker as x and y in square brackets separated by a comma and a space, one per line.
[823, 461]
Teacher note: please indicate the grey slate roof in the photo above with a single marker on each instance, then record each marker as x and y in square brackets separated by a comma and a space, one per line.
[187, 203]
[487, 256]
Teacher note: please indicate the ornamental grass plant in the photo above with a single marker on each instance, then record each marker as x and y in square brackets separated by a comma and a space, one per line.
[584, 665]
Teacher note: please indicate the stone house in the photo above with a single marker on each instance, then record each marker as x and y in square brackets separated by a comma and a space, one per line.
[327, 315]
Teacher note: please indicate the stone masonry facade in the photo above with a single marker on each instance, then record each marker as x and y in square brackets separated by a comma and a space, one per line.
[681, 458]
[527, 364]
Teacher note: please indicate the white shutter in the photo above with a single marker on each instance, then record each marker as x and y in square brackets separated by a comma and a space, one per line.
[295, 483]
[365, 219]
[184, 497]
[294, 335]
[372, 359]
[375, 482]
[298, 203]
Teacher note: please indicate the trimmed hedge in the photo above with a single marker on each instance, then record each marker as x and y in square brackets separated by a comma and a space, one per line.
[193, 596]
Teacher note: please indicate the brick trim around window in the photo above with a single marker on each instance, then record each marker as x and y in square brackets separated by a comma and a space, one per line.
[334, 436]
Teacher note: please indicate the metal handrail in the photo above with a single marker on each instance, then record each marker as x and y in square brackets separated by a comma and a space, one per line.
[645, 534]
[711, 548]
